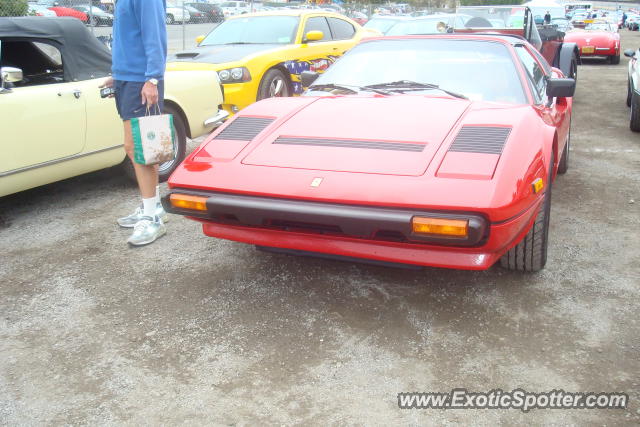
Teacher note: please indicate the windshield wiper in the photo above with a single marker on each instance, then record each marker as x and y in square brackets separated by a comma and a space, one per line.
[350, 88]
[404, 85]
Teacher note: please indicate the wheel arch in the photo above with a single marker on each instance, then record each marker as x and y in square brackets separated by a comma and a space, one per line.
[176, 107]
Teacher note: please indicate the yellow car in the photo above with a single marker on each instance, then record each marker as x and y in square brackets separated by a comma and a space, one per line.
[261, 55]
[55, 124]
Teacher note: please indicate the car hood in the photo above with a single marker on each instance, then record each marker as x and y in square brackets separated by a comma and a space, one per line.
[394, 135]
[217, 54]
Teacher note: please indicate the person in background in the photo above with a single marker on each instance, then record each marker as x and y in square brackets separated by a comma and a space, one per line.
[547, 18]
[139, 52]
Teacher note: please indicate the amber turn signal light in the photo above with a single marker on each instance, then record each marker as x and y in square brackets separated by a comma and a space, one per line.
[537, 185]
[186, 201]
[440, 226]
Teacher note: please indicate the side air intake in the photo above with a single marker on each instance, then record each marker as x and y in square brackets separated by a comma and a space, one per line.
[244, 128]
[481, 139]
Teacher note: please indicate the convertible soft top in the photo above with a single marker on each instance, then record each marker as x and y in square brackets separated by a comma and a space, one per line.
[84, 56]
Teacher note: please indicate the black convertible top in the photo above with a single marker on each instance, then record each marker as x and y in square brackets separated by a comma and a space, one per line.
[84, 57]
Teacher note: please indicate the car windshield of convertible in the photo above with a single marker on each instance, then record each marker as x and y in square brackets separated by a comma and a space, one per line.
[254, 30]
[478, 70]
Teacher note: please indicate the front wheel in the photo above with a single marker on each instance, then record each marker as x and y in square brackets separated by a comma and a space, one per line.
[169, 19]
[628, 92]
[179, 149]
[563, 166]
[274, 84]
[530, 254]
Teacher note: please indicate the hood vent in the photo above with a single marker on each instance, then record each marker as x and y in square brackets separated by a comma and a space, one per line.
[481, 139]
[350, 143]
[244, 128]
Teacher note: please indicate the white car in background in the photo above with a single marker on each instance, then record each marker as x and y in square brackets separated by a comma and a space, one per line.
[231, 8]
[177, 14]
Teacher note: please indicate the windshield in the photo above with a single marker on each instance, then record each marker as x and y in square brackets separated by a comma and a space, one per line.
[600, 26]
[254, 29]
[432, 25]
[479, 70]
[492, 17]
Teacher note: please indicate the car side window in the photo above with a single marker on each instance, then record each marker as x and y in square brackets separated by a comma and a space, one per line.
[340, 29]
[318, 23]
[41, 63]
[535, 74]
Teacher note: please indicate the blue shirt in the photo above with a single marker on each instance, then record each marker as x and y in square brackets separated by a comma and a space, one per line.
[139, 47]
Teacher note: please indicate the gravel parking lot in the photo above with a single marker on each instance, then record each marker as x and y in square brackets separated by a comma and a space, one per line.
[197, 330]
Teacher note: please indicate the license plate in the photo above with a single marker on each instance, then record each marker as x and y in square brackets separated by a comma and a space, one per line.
[588, 49]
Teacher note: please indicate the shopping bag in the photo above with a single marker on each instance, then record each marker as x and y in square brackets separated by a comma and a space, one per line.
[154, 138]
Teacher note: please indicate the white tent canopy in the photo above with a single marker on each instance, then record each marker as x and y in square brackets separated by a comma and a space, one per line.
[540, 7]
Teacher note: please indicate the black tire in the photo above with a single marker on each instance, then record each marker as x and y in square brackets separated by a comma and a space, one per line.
[530, 254]
[573, 71]
[274, 84]
[634, 116]
[166, 169]
[614, 60]
[563, 166]
[169, 20]
[628, 92]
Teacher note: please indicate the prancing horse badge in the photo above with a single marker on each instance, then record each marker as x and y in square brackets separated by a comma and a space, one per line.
[316, 182]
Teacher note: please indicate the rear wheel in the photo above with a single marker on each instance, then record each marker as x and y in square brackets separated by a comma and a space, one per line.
[179, 150]
[274, 84]
[169, 19]
[530, 254]
[614, 60]
[634, 119]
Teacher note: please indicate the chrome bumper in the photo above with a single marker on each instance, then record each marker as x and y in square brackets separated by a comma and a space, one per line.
[218, 119]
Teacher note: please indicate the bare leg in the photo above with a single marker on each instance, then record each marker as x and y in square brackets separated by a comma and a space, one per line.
[147, 176]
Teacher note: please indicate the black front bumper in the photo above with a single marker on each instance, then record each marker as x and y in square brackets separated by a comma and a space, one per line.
[366, 222]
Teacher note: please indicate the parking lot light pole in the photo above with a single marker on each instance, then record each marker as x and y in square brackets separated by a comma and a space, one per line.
[184, 12]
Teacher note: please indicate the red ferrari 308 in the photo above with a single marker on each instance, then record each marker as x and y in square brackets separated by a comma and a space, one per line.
[427, 150]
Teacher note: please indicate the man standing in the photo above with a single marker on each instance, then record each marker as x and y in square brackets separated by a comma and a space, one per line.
[139, 57]
[547, 18]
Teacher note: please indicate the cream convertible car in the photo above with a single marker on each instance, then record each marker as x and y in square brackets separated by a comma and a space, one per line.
[54, 124]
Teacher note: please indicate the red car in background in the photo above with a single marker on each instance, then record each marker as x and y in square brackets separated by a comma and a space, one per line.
[67, 11]
[408, 161]
[597, 39]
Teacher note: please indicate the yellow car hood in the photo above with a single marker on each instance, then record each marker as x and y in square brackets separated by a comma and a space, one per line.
[220, 54]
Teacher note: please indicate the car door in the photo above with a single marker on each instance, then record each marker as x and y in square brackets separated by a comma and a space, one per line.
[43, 117]
[553, 111]
[342, 33]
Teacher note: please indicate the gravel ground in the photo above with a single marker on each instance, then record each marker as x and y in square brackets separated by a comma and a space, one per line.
[196, 330]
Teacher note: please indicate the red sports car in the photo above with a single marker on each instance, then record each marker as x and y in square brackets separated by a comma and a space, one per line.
[67, 11]
[443, 157]
[597, 39]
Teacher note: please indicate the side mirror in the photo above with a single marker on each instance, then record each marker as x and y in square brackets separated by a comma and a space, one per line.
[561, 88]
[313, 36]
[199, 39]
[308, 77]
[11, 74]
[629, 53]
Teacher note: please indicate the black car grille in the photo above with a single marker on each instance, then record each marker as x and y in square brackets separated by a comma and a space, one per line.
[350, 143]
[244, 128]
[481, 139]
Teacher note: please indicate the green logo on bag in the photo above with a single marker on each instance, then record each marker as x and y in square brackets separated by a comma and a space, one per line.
[151, 135]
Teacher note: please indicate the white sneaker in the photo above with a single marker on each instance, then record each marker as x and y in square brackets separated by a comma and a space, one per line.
[146, 231]
[131, 220]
